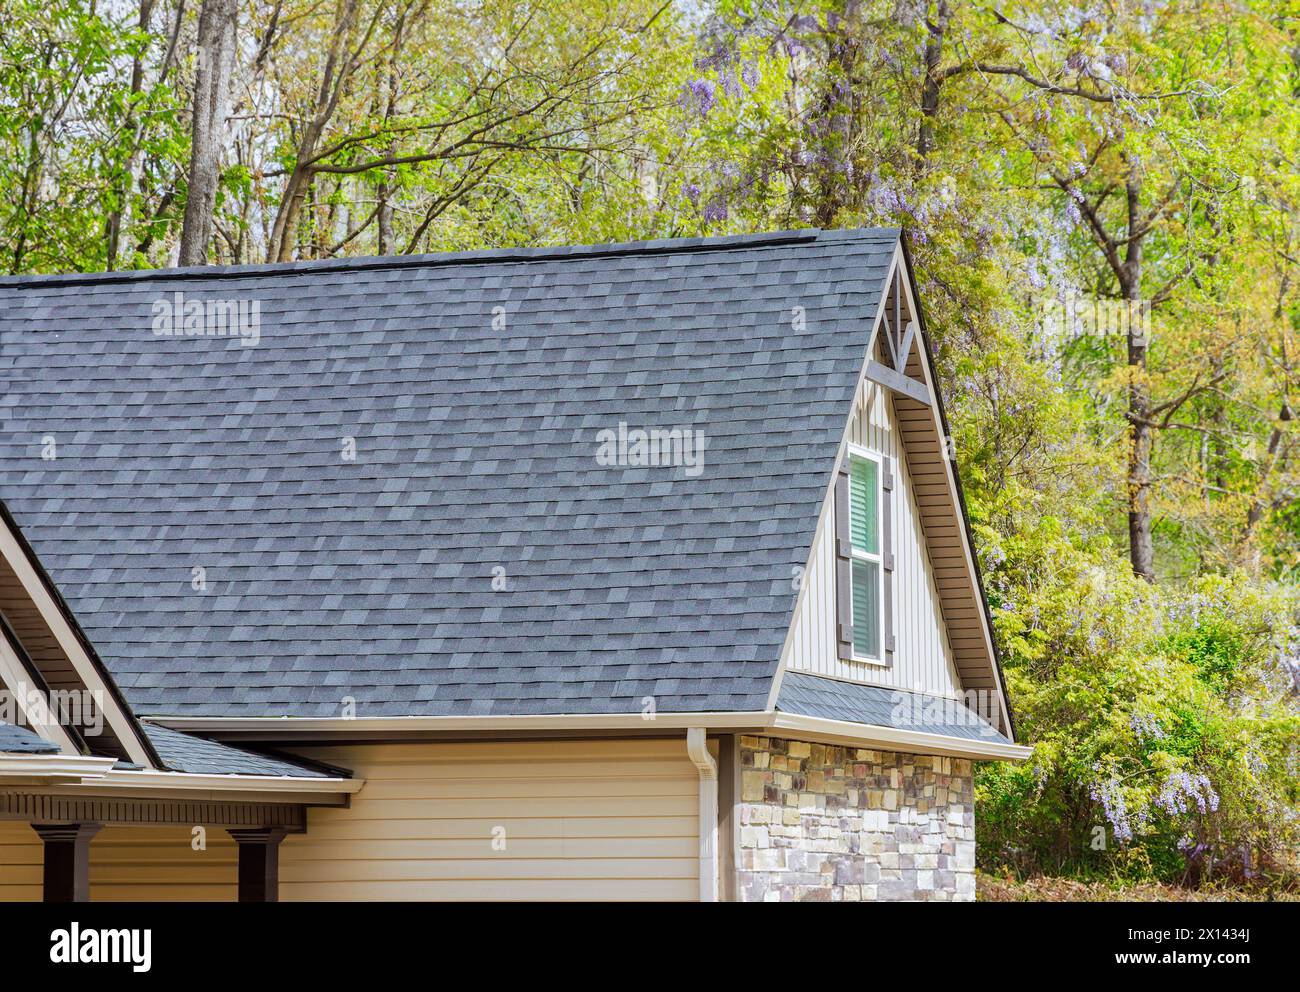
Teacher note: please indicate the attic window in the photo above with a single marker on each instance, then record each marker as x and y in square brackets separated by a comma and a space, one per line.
[865, 561]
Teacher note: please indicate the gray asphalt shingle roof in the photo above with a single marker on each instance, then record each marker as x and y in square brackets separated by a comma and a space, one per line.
[372, 578]
[20, 740]
[879, 706]
[185, 753]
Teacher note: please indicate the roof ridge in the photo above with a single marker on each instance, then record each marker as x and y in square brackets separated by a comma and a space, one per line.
[661, 246]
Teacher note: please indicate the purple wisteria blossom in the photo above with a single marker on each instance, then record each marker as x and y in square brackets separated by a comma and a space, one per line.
[715, 210]
[1115, 808]
[733, 75]
[1255, 763]
[1289, 663]
[1183, 790]
[1188, 610]
[699, 95]
[1146, 727]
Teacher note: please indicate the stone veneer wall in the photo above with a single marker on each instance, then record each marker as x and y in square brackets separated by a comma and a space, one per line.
[829, 824]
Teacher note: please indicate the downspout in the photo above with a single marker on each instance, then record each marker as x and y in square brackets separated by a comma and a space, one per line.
[697, 748]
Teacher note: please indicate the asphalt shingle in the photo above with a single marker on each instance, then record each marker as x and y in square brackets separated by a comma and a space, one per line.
[198, 503]
[879, 706]
[186, 753]
[20, 740]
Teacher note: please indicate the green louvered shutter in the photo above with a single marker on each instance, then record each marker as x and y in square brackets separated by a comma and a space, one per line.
[864, 495]
[866, 608]
[843, 568]
[864, 488]
[861, 581]
[887, 555]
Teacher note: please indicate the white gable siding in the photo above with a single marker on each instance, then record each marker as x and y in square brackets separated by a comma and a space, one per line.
[922, 658]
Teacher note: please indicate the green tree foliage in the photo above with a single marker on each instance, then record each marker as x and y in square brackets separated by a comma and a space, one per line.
[1050, 162]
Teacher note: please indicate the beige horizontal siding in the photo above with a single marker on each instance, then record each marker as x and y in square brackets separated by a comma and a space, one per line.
[157, 864]
[581, 820]
[127, 864]
[20, 863]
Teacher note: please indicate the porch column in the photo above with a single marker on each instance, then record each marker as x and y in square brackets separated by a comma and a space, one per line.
[67, 860]
[259, 863]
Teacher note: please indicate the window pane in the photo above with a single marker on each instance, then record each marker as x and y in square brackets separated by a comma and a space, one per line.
[863, 489]
[866, 609]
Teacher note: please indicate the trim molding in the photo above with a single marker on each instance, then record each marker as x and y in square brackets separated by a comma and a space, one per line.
[75, 775]
[128, 780]
[28, 768]
[286, 730]
[894, 739]
[73, 809]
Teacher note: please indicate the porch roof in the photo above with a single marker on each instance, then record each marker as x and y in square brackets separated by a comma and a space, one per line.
[20, 740]
[195, 755]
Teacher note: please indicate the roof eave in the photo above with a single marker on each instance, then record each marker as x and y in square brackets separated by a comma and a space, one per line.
[296, 730]
[146, 784]
[46, 769]
[928, 356]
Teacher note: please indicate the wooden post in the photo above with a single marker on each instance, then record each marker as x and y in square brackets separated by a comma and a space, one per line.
[259, 863]
[67, 860]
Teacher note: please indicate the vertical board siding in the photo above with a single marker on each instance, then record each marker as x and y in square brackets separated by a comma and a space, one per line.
[922, 657]
[572, 820]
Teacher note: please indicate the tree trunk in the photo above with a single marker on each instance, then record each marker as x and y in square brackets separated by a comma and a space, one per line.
[937, 28]
[1141, 551]
[385, 215]
[1256, 512]
[338, 68]
[286, 218]
[837, 112]
[211, 107]
[121, 215]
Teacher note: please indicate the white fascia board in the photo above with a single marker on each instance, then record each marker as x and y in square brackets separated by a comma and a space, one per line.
[286, 729]
[83, 776]
[131, 785]
[146, 779]
[34, 768]
[896, 739]
[291, 727]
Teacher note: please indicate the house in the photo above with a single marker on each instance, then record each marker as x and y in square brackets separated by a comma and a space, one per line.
[619, 572]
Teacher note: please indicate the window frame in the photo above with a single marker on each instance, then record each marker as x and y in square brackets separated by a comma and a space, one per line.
[855, 554]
